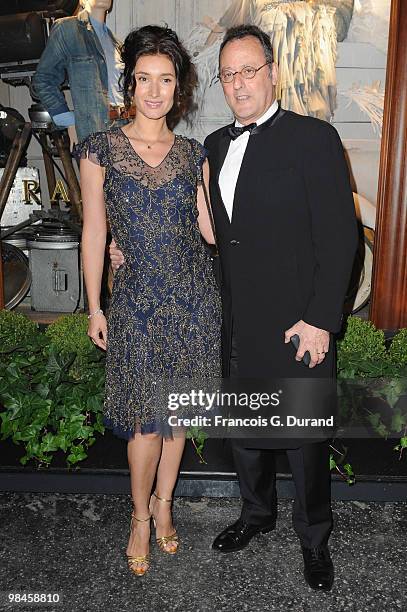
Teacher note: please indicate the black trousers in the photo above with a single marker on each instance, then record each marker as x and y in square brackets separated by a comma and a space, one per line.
[312, 514]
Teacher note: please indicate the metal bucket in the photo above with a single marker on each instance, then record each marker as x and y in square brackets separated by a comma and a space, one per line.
[55, 267]
[51, 235]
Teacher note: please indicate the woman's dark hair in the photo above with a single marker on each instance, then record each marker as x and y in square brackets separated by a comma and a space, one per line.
[242, 31]
[154, 40]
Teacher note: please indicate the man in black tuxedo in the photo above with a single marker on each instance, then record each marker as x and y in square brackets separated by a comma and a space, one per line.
[287, 235]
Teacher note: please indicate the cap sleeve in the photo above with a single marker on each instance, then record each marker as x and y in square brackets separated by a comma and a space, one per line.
[94, 148]
[199, 154]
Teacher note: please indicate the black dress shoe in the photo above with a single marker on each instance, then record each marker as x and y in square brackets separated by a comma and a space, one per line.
[318, 568]
[237, 536]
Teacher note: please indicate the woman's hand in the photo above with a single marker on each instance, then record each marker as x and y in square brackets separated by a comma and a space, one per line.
[98, 327]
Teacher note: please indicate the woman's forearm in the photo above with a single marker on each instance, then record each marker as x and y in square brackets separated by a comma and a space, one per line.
[93, 252]
[94, 229]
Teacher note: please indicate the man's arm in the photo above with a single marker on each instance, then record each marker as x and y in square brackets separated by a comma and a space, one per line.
[204, 221]
[334, 235]
[334, 228]
[50, 75]
[116, 255]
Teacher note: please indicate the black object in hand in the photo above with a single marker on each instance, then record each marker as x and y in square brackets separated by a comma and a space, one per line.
[295, 341]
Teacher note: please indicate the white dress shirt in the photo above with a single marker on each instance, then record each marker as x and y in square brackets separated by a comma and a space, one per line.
[231, 166]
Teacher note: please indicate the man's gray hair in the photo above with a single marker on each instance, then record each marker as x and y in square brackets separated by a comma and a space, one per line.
[245, 30]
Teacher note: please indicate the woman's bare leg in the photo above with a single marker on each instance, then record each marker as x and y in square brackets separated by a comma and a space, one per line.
[143, 453]
[167, 474]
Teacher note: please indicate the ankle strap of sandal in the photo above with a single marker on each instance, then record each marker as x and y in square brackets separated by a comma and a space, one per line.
[140, 520]
[162, 498]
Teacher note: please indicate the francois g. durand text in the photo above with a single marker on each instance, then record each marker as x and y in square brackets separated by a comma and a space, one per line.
[259, 421]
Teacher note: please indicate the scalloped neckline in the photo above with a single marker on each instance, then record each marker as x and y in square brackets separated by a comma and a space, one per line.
[143, 160]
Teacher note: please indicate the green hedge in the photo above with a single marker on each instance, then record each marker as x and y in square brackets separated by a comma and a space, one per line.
[52, 383]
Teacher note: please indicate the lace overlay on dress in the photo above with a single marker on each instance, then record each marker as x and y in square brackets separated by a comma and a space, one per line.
[165, 313]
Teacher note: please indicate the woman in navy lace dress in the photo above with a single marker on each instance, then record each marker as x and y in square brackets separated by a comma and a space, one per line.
[165, 314]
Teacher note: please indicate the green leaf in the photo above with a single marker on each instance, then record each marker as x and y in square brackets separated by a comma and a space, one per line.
[348, 469]
[61, 442]
[6, 428]
[14, 402]
[403, 442]
[29, 433]
[398, 421]
[33, 447]
[98, 424]
[3, 386]
[193, 432]
[42, 390]
[13, 371]
[382, 431]
[49, 443]
[58, 366]
[94, 403]
[39, 404]
[77, 454]
[374, 419]
[45, 459]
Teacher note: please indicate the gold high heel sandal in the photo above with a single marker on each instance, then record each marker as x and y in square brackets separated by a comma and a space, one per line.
[140, 564]
[165, 540]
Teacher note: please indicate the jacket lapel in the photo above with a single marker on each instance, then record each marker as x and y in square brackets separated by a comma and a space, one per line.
[250, 155]
[224, 142]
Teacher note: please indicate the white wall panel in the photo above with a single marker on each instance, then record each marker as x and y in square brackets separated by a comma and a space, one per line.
[363, 157]
[4, 94]
[359, 55]
[355, 131]
[158, 12]
[123, 17]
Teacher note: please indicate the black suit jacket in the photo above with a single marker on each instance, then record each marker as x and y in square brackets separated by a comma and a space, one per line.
[288, 252]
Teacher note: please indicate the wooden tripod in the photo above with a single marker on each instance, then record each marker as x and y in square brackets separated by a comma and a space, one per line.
[21, 141]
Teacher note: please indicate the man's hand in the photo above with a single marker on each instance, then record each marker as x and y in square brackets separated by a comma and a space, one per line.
[312, 339]
[116, 256]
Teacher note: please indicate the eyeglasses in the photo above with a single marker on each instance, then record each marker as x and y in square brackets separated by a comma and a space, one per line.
[248, 72]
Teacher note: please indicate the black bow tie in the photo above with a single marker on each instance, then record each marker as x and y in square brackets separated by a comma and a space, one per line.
[234, 132]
